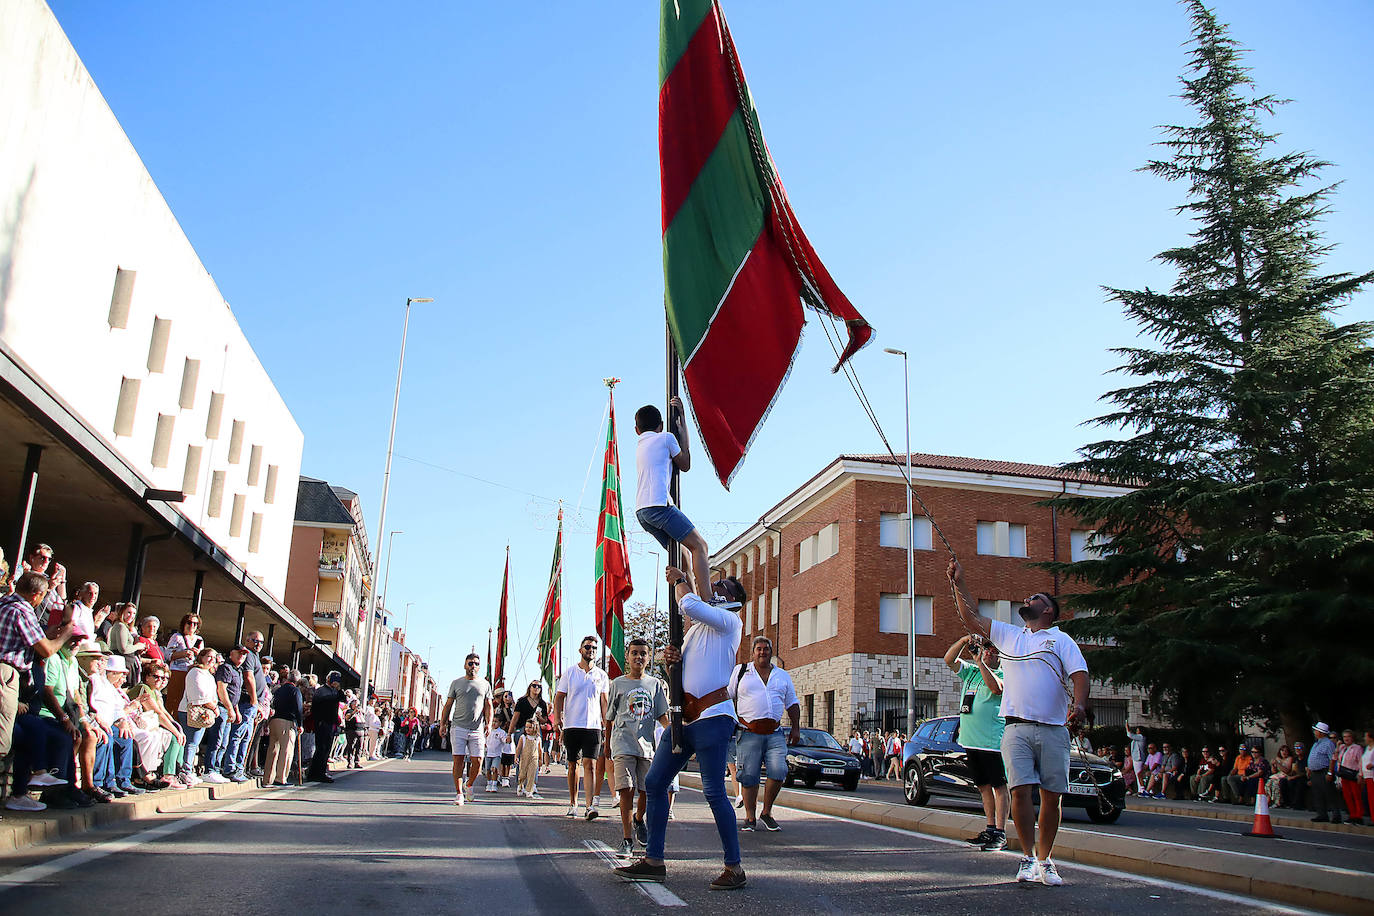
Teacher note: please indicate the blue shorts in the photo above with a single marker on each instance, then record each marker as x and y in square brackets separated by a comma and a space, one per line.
[755, 750]
[666, 523]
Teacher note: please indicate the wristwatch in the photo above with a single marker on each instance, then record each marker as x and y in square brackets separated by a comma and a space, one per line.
[680, 580]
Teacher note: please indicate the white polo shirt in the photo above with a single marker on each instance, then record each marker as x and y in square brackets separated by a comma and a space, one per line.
[1034, 688]
[755, 699]
[708, 651]
[582, 706]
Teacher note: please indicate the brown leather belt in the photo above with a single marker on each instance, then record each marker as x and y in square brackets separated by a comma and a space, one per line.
[761, 726]
[693, 707]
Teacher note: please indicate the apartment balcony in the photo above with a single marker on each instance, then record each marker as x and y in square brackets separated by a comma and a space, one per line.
[327, 613]
[332, 567]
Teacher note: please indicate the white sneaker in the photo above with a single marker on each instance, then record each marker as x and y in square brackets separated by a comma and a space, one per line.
[592, 813]
[535, 796]
[490, 787]
[505, 782]
[1029, 870]
[191, 779]
[519, 792]
[24, 803]
[467, 793]
[44, 780]
[214, 779]
[1049, 874]
[458, 799]
[572, 811]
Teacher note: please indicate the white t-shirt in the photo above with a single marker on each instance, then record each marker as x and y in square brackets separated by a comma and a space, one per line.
[496, 742]
[654, 454]
[756, 700]
[708, 652]
[856, 746]
[582, 706]
[1034, 688]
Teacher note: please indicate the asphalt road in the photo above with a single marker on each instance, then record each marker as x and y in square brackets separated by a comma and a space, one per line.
[1353, 851]
[390, 840]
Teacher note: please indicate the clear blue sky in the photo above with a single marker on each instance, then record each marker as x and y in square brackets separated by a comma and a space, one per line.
[966, 171]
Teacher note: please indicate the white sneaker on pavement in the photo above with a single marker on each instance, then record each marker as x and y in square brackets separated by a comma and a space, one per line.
[572, 811]
[505, 782]
[24, 803]
[45, 780]
[458, 799]
[1049, 874]
[467, 793]
[214, 779]
[1029, 870]
[535, 796]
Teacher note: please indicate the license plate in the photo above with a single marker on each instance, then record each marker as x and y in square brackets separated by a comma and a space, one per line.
[832, 771]
[1077, 789]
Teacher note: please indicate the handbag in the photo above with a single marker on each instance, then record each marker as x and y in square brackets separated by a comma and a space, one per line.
[201, 715]
[1346, 773]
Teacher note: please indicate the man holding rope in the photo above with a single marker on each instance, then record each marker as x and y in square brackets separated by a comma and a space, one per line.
[1039, 661]
[707, 657]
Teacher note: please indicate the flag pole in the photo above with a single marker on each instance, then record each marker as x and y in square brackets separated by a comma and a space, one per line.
[676, 695]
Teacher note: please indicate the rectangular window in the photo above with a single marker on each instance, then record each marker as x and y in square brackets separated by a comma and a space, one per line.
[162, 439]
[777, 545]
[819, 547]
[810, 710]
[1001, 539]
[255, 533]
[892, 529]
[829, 709]
[806, 554]
[995, 610]
[122, 299]
[216, 503]
[806, 627]
[774, 605]
[269, 489]
[894, 614]
[1110, 713]
[748, 616]
[828, 614]
[127, 407]
[190, 377]
[254, 465]
[236, 442]
[157, 346]
[215, 415]
[236, 515]
[927, 704]
[889, 703]
[748, 560]
[190, 478]
[1084, 545]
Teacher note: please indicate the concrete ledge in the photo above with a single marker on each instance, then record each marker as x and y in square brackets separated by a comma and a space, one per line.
[1241, 814]
[1294, 883]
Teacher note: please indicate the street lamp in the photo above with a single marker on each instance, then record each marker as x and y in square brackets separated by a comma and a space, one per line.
[910, 549]
[386, 488]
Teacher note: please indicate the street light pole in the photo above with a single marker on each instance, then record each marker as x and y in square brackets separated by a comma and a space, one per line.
[910, 550]
[386, 488]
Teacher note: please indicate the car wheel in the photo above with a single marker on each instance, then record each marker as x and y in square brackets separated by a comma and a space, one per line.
[913, 786]
[851, 783]
[1096, 815]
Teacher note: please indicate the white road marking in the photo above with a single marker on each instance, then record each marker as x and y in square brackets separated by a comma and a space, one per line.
[1281, 839]
[651, 889]
[1250, 902]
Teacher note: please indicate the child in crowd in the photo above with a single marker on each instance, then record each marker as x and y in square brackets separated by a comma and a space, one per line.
[495, 741]
[507, 753]
[528, 751]
[656, 454]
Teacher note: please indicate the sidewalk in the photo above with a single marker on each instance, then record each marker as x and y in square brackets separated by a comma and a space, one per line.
[1258, 874]
[19, 830]
[1244, 814]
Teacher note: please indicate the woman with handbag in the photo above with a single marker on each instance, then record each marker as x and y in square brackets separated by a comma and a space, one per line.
[1348, 765]
[288, 715]
[197, 711]
[154, 717]
[181, 655]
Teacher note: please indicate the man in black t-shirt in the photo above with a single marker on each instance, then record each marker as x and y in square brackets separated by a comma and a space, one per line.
[325, 711]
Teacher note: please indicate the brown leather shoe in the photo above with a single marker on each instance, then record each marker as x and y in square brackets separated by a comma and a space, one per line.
[729, 880]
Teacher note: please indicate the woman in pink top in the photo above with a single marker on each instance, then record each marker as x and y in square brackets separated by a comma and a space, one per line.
[1349, 758]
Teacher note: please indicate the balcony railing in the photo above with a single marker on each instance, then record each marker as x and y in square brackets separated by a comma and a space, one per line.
[327, 612]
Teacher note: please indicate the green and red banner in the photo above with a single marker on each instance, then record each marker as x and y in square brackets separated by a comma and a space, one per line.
[501, 628]
[551, 623]
[737, 267]
[613, 584]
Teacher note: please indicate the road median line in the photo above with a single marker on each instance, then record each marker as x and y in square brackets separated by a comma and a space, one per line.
[1303, 884]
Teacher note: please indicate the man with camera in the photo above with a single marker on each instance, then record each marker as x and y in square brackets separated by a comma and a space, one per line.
[980, 733]
[1039, 662]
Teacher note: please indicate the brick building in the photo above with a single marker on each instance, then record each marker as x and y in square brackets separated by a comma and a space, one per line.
[825, 570]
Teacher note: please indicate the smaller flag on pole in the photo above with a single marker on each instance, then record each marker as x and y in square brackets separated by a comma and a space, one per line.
[501, 627]
[613, 585]
[551, 623]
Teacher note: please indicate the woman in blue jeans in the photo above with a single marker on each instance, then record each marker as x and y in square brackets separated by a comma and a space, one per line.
[707, 658]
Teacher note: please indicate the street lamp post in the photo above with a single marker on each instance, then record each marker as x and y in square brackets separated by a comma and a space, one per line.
[910, 549]
[386, 488]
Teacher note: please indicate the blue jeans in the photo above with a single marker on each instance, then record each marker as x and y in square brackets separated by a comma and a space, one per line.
[122, 763]
[193, 739]
[219, 757]
[102, 774]
[40, 744]
[707, 738]
[238, 743]
[754, 750]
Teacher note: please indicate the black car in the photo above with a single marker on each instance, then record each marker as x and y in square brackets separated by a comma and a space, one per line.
[934, 763]
[820, 758]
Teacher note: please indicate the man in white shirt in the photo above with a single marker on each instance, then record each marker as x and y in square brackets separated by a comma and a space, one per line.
[1039, 662]
[707, 657]
[762, 693]
[579, 705]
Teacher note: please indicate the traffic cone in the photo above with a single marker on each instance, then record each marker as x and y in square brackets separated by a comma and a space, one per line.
[1262, 826]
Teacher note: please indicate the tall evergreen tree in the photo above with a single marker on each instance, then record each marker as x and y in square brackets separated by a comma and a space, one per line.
[1238, 579]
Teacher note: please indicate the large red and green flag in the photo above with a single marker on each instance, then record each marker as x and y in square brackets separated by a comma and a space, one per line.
[501, 628]
[551, 623]
[613, 584]
[737, 267]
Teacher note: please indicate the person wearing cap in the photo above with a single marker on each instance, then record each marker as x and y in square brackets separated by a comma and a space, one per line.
[1321, 767]
[110, 706]
[63, 702]
[709, 721]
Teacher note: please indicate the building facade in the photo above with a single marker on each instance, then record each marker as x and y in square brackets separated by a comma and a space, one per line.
[826, 575]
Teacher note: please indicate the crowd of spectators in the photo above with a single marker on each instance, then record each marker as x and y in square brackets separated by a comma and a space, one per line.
[1331, 777]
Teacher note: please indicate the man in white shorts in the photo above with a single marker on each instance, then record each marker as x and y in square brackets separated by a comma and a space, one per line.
[1039, 662]
[467, 717]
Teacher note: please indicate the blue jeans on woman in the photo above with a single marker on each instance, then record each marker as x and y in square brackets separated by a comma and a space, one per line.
[193, 739]
[708, 739]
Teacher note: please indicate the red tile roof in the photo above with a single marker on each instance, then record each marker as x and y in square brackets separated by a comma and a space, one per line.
[983, 466]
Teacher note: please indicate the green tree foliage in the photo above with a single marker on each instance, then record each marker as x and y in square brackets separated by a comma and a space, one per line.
[1239, 577]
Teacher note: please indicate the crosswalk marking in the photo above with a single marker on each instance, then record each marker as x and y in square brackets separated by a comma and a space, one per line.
[651, 889]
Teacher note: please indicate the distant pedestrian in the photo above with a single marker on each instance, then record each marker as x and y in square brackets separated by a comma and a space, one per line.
[325, 706]
[1321, 767]
[1348, 766]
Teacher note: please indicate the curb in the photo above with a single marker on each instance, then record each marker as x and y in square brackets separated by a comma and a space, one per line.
[18, 831]
[1293, 883]
[1241, 814]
